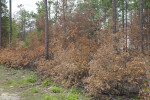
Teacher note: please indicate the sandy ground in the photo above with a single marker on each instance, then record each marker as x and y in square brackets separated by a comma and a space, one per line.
[8, 96]
[8, 77]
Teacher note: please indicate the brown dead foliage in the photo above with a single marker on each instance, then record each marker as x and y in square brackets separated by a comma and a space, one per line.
[19, 58]
[83, 63]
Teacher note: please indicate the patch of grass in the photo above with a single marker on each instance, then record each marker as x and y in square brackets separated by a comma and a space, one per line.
[56, 84]
[46, 83]
[49, 97]
[23, 44]
[73, 90]
[34, 90]
[31, 78]
[131, 69]
[21, 82]
[62, 96]
[125, 87]
[29, 93]
[56, 89]
[145, 89]
[73, 94]
[26, 81]
[9, 82]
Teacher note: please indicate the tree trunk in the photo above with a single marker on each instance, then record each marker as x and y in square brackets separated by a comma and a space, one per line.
[24, 32]
[114, 16]
[123, 15]
[10, 23]
[141, 26]
[46, 30]
[126, 26]
[22, 27]
[148, 39]
[0, 26]
[123, 32]
[114, 25]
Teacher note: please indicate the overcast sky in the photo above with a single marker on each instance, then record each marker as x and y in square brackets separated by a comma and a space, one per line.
[29, 5]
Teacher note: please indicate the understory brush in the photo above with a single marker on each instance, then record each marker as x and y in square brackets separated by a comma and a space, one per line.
[85, 63]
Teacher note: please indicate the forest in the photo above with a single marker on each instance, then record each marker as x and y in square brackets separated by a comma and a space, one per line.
[101, 47]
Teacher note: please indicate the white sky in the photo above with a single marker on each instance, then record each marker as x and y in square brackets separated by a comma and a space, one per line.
[29, 5]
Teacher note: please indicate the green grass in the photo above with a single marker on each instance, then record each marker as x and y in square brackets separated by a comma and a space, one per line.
[30, 92]
[49, 97]
[9, 82]
[27, 80]
[73, 94]
[46, 82]
[23, 44]
[34, 90]
[31, 78]
[56, 89]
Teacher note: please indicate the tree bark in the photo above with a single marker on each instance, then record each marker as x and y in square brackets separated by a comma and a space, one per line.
[0, 26]
[123, 31]
[114, 25]
[141, 26]
[126, 26]
[114, 16]
[46, 31]
[123, 15]
[10, 22]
